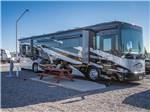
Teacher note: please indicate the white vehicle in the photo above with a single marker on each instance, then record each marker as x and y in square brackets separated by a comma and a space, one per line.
[109, 50]
[5, 55]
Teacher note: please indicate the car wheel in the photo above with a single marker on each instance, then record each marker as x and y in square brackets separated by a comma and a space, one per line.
[94, 73]
[35, 67]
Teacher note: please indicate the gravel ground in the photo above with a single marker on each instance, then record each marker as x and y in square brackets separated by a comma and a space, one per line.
[24, 95]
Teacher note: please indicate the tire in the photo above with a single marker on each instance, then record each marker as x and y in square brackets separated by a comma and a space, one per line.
[120, 78]
[35, 67]
[94, 73]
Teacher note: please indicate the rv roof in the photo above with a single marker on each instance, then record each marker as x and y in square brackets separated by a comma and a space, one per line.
[93, 27]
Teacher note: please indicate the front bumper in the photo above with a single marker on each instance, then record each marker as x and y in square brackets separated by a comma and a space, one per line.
[134, 76]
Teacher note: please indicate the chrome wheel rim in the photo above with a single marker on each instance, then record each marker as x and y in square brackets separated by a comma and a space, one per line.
[93, 74]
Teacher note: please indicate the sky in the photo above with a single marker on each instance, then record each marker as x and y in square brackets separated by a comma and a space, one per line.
[48, 17]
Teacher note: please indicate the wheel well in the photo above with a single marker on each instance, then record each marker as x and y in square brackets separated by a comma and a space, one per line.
[87, 68]
[97, 69]
[34, 64]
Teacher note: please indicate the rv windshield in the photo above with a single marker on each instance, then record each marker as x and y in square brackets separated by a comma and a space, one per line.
[132, 41]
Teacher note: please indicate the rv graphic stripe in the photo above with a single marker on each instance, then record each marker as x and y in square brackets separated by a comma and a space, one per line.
[67, 54]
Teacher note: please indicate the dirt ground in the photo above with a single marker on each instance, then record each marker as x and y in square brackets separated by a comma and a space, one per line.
[24, 95]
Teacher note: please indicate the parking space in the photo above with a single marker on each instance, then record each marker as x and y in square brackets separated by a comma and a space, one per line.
[28, 93]
[77, 84]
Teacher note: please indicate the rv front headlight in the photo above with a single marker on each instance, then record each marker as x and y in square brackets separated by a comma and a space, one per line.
[135, 72]
[138, 65]
[122, 70]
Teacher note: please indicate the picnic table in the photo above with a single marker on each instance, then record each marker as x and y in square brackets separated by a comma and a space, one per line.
[52, 70]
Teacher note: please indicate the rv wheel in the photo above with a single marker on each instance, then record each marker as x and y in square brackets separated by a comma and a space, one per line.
[120, 78]
[35, 67]
[93, 73]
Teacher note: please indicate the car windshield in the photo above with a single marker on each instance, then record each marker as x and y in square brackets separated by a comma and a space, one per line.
[132, 41]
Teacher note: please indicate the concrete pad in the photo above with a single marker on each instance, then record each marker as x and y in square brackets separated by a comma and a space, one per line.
[77, 84]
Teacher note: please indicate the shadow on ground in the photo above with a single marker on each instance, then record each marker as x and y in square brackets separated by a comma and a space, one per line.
[141, 100]
[19, 92]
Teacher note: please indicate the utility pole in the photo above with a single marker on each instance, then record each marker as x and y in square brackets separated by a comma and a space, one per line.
[27, 10]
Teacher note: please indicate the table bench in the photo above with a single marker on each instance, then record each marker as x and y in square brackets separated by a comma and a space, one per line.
[59, 73]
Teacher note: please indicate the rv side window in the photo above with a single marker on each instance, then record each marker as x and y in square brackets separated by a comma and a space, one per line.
[23, 50]
[26, 50]
[35, 53]
[98, 42]
[107, 44]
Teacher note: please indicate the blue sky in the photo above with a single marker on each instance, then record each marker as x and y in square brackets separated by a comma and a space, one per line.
[47, 17]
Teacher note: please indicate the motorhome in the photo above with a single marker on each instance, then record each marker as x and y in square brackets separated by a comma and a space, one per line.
[112, 50]
[5, 55]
